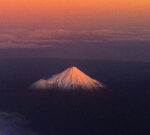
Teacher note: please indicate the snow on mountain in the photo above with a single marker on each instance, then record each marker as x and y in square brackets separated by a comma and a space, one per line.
[71, 78]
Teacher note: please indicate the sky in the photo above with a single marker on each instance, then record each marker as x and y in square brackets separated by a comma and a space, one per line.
[101, 29]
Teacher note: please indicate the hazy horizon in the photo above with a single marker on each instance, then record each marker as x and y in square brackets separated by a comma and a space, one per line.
[99, 29]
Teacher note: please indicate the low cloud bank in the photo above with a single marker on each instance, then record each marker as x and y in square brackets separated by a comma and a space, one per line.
[41, 38]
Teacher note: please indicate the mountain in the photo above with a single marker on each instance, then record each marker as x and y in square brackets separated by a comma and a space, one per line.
[71, 78]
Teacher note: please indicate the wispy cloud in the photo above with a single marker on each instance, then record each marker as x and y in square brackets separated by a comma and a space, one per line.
[12, 124]
[22, 38]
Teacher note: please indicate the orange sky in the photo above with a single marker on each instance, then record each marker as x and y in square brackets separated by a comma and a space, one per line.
[75, 13]
[77, 28]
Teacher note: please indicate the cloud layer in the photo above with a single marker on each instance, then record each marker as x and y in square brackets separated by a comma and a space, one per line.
[21, 38]
[100, 44]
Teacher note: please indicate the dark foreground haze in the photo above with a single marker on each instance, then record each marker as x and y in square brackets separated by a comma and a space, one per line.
[121, 109]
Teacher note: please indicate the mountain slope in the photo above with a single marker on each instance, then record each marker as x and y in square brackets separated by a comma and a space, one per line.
[71, 78]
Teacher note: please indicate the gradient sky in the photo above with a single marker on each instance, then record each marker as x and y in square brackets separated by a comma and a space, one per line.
[77, 26]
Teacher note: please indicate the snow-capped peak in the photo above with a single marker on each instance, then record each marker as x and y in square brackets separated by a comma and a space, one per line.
[71, 78]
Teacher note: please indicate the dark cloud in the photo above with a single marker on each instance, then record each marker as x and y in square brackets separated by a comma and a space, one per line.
[13, 124]
[118, 50]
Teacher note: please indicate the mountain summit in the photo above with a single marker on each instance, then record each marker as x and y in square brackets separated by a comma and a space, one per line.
[71, 78]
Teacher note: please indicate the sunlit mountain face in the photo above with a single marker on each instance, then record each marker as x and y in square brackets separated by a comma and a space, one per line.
[76, 28]
[71, 79]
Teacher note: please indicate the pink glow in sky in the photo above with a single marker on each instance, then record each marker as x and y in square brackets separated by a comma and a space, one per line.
[74, 24]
